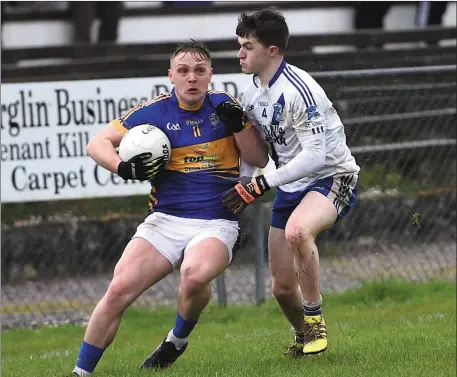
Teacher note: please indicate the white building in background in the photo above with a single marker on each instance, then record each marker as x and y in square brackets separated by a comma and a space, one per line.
[175, 28]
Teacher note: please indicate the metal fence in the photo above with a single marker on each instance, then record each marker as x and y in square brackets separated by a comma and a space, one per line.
[401, 127]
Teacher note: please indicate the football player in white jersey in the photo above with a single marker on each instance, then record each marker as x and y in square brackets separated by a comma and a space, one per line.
[315, 178]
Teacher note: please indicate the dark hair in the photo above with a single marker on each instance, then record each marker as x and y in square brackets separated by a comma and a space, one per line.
[268, 26]
[198, 49]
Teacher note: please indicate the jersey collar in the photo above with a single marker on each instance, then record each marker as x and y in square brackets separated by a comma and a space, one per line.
[182, 106]
[256, 80]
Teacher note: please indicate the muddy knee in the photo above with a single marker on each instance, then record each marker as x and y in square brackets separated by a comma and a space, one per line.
[298, 236]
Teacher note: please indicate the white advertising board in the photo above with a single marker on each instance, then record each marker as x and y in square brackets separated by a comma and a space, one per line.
[45, 128]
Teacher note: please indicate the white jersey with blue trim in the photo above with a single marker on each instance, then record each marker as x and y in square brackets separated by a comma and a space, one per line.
[292, 109]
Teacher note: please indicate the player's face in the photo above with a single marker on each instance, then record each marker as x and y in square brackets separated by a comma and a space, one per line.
[254, 57]
[191, 76]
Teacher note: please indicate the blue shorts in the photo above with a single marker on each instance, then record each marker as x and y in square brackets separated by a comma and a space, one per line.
[340, 189]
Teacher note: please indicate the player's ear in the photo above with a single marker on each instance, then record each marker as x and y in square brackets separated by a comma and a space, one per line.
[210, 74]
[170, 76]
[274, 51]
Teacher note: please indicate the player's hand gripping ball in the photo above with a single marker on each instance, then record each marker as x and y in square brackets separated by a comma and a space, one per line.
[144, 151]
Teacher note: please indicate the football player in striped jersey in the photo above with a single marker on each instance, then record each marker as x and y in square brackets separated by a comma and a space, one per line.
[187, 227]
[315, 178]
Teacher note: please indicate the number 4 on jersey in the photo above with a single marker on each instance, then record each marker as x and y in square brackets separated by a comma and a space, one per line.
[264, 113]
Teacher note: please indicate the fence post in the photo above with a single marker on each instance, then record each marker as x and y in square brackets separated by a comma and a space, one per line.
[422, 14]
[221, 290]
[259, 231]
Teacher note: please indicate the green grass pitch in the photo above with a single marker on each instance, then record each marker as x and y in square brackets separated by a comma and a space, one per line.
[384, 329]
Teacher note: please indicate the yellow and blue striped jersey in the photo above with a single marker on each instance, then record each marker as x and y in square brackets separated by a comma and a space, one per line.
[204, 159]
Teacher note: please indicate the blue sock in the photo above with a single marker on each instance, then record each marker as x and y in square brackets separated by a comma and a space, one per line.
[88, 357]
[300, 337]
[315, 310]
[182, 327]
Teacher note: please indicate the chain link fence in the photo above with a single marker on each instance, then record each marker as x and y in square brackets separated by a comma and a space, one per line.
[401, 127]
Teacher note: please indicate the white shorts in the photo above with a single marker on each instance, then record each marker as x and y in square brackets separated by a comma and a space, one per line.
[172, 236]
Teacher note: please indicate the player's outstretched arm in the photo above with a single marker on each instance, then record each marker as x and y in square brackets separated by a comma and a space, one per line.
[310, 127]
[250, 143]
[309, 160]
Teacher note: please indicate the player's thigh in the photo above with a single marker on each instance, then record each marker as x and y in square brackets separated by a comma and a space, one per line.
[168, 234]
[140, 266]
[155, 249]
[210, 252]
[325, 201]
[313, 215]
[281, 261]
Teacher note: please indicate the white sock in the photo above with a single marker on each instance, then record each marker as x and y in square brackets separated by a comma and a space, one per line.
[314, 304]
[81, 372]
[178, 342]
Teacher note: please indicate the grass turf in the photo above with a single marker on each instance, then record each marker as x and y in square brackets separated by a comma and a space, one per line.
[387, 328]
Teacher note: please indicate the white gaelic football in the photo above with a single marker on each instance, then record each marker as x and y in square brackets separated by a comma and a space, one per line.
[145, 138]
